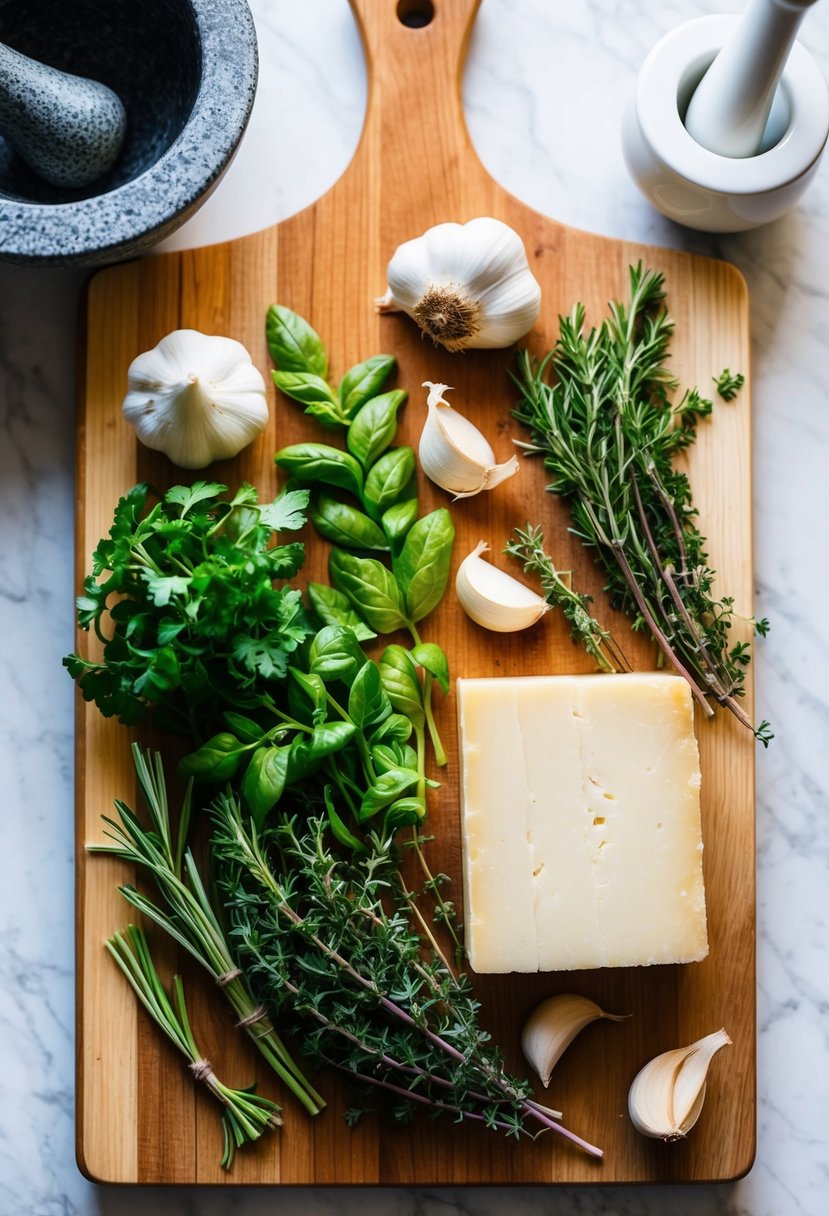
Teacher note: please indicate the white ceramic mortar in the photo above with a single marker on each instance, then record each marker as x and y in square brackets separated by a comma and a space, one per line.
[699, 188]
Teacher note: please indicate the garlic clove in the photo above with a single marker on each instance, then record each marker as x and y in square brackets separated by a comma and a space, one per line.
[454, 454]
[667, 1095]
[466, 285]
[196, 397]
[552, 1026]
[493, 599]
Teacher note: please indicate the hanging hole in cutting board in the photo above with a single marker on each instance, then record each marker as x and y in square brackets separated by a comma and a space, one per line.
[415, 13]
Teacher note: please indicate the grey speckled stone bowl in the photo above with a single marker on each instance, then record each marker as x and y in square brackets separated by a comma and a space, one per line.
[186, 72]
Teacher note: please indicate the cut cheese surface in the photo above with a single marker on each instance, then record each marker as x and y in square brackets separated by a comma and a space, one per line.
[581, 822]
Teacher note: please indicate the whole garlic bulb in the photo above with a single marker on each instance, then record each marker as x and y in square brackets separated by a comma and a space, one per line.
[466, 285]
[196, 398]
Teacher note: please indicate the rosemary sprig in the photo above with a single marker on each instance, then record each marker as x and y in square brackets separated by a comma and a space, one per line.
[246, 1115]
[609, 434]
[728, 386]
[328, 945]
[190, 919]
[528, 547]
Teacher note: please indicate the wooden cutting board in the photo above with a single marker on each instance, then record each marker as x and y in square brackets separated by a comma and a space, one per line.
[139, 1117]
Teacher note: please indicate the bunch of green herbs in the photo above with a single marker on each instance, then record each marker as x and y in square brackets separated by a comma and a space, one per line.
[184, 910]
[364, 500]
[326, 726]
[600, 413]
[327, 942]
[246, 1114]
[182, 597]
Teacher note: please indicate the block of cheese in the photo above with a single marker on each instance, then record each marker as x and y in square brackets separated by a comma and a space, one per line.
[581, 822]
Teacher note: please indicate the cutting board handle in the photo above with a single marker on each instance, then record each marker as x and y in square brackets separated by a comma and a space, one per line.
[415, 52]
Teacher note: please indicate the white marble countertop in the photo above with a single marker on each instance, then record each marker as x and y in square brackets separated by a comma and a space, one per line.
[542, 91]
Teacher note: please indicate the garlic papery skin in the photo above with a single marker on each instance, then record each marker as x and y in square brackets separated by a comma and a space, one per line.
[552, 1026]
[493, 599]
[466, 285]
[196, 398]
[666, 1097]
[454, 454]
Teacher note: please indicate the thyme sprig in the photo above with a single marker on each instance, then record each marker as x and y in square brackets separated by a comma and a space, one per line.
[247, 1115]
[609, 433]
[528, 547]
[329, 948]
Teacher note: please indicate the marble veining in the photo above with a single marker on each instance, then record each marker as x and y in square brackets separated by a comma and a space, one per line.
[542, 92]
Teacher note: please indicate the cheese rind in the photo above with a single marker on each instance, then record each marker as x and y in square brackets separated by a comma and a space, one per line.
[581, 822]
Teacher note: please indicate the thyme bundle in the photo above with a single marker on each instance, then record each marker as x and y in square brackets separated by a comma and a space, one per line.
[599, 412]
[328, 945]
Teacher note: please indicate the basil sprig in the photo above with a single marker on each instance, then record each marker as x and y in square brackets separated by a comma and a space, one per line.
[388, 567]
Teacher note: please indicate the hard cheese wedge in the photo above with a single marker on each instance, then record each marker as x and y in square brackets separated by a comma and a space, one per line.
[581, 822]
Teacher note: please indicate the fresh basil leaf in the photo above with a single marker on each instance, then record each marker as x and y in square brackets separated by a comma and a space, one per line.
[422, 569]
[331, 737]
[311, 684]
[345, 525]
[305, 387]
[333, 608]
[286, 512]
[371, 587]
[317, 462]
[383, 758]
[395, 728]
[373, 429]
[403, 813]
[399, 676]
[397, 520]
[307, 754]
[388, 787]
[386, 756]
[364, 381]
[294, 345]
[338, 828]
[335, 654]
[367, 702]
[387, 479]
[245, 729]
[264, 781]
[326, 414]
[216, 760]
[431, 658]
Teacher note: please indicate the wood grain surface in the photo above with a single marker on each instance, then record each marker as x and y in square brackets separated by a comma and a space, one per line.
[139, 1117]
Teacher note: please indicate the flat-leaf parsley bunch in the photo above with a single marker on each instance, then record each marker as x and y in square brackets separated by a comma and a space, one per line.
[182, 597]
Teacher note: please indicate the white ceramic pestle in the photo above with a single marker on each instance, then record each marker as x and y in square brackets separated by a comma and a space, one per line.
[730, 107]
[717, 191]
[68, 129]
